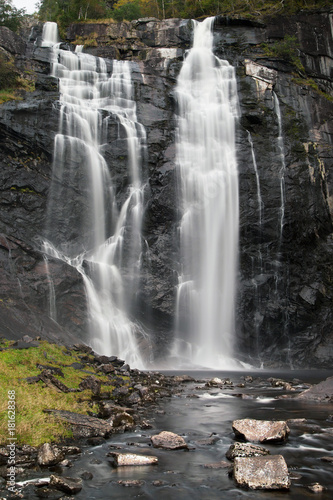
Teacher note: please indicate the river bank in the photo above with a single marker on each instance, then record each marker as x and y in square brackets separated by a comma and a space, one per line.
[199, 409]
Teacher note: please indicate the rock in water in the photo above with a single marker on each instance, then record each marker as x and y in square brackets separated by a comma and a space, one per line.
[67, 484]
[169, 441]
[262, 473]
[322, 392]
[121, 459]
[245, 450]
[262, 431]
[49, 455]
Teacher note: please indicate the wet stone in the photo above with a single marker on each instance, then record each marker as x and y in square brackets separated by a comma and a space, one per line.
[169, 441]
[49, 455]
[86, 476]
[316, 488]
[245, 450]
[67, 484]
[217, 465]
[212, 439]
[269, 472]
[262, 431]
[48, 493]
[122, 459]
[128, 483]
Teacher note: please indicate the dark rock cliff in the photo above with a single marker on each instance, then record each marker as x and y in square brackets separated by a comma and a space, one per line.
[284, 314]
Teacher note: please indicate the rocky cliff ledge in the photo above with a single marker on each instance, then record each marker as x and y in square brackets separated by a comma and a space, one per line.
[284, 311]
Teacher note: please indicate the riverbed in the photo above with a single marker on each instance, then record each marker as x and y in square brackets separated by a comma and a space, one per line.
[203, 416]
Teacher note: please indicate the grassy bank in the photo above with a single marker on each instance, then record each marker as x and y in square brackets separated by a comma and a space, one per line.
[32, 425]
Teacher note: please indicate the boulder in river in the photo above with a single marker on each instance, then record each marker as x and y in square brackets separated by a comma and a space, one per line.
[67, 484]
[169, 441]
[120, 459]
[245, 450]
[262, 473]
[262, 431]
[322, 392]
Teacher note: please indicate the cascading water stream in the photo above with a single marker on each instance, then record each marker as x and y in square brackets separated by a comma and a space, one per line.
[280, 143]
[257, 263]
[52, 295]
[208, 107]
[259, 197]
[85, 226]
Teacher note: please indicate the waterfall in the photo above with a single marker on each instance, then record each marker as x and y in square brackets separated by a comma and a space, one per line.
[50, 34]
[207, 110]
[259, 197]
[87, 226]
[280, 143]
[52, 294]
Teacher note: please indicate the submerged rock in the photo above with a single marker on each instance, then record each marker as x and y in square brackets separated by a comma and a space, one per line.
[217, 465]
[316, 488]
[258, 473]
[169, 441]
[262, 431]
[130, 482]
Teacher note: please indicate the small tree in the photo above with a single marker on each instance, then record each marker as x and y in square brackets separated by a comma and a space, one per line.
[10, 16]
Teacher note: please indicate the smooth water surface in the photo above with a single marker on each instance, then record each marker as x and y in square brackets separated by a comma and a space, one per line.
[197, 412]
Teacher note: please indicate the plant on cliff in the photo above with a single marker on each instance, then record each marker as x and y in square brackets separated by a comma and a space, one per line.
[11, 81]
[10, 16]
[288, 50]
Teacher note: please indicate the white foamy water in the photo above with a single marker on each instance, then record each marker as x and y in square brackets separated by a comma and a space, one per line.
[86, 225]
[206, 156]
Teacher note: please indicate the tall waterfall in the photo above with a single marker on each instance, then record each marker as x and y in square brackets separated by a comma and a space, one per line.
[208, 108]
[86, 226]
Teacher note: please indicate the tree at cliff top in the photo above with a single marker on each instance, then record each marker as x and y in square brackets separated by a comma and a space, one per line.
[68, 11]
[71, 10]
[10, 16]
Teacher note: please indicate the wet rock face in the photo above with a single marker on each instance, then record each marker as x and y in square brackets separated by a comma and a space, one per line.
[284, 298]
[11, 42]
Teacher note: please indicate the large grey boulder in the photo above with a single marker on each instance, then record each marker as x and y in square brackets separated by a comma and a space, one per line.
[262, 473]
[262, 431]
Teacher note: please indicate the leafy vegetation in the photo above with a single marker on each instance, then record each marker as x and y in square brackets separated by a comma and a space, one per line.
[288, 50]
[10, 16]
[12, 82]
[65, 12]
[33, 425]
